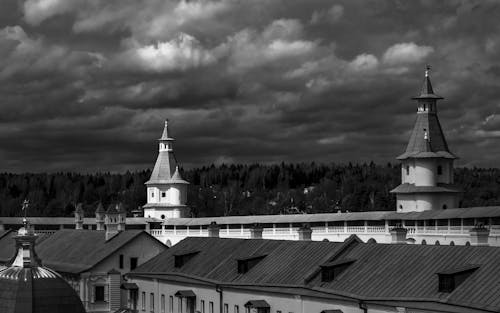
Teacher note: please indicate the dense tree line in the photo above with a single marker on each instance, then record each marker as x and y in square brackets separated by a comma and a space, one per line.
[237, 189]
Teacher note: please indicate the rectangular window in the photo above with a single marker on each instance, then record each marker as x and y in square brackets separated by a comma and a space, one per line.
[171, 304]
[133, 263]
[152, 302]
[202, 306]
[226, 308]
[236, 309]
[121, 261]
[163, 194]
[210, 307]
[98, 293]
[143, 301]
[152, 195]
[162, 304]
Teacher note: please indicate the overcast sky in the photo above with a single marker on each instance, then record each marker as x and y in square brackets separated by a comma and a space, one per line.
[85, 85]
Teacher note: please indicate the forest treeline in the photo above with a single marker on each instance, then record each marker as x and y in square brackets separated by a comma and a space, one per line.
[237, 189]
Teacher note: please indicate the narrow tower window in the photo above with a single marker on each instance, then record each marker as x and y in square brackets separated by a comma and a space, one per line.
[440, 170]
[407, 170]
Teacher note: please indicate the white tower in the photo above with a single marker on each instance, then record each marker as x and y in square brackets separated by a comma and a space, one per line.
[166, 190]
[427, 164]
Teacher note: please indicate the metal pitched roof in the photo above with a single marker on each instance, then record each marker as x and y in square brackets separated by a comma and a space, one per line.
[381, 272]
[430, 145]
[411, 188]
[75, 251]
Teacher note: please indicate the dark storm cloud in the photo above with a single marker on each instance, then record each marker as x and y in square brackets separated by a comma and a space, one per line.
[86, 85]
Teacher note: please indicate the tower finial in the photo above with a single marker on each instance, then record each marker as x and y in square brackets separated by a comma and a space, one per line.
[24, 207]
[427, 70]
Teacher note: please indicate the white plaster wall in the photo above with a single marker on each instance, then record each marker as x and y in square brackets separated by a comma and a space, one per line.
[285, 303]
[421, 202]
[167, 212]
[425, 170]
[410, 178]
[406, 203]
[174, 195]
[153, 195]
[447, 176]
[143, 247]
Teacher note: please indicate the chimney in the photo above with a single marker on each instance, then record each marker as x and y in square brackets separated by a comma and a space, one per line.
[112, 221]
[79, 216]
[99, 217]
[122, 217]
[479, 235]
[398, 234]
[305, 232]
[256, 231]
[213, 229]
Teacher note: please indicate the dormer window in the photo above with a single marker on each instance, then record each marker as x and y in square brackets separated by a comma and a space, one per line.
[244, 265]
[332, 270]
[181, 259]
[449, 280]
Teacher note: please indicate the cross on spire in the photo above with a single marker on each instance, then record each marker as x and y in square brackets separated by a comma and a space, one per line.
[427, 70]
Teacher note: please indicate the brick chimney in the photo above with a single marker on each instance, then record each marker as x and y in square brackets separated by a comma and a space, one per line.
[256, 231]
[79, 214]
[305, 232]
[213, 229]
[398, 234]
[479, 235]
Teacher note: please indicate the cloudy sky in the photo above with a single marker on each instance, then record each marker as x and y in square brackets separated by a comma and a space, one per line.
[85, 85]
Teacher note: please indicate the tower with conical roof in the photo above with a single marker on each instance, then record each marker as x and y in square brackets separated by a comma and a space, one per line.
[166, 189]
[427, 163]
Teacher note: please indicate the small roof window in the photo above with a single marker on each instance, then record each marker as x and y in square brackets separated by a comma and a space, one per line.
[450, 279]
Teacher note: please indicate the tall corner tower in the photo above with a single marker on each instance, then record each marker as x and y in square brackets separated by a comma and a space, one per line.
[166, 190]
[427, 163]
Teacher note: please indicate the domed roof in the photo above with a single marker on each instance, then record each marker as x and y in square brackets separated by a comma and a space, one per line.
[28, 287]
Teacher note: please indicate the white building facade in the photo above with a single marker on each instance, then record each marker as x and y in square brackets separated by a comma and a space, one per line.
[166, 190]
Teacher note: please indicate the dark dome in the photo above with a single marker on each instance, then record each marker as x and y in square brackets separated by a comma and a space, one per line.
[36, 290]
[28, 287]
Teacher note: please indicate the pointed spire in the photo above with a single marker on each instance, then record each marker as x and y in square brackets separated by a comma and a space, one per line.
[100, 208]
[165, 136]
[177, 174]
[427, 92]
